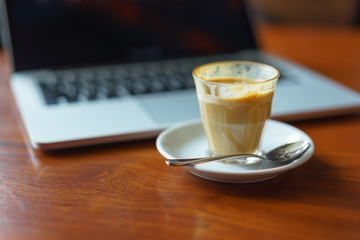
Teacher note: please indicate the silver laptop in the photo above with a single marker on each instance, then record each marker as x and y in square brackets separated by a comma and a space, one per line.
[91, 72]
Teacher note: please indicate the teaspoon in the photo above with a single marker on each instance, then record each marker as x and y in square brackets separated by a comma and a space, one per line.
[285, 153]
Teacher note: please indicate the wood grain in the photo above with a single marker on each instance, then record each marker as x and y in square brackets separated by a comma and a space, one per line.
[125, 190]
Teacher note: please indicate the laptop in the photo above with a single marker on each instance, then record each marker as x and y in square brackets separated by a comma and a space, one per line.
[93, 72]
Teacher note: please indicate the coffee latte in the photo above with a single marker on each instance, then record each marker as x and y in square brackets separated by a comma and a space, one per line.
[235, 101]
[235, 124]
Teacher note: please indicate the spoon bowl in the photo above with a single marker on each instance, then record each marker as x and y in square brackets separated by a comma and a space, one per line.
[282, 154]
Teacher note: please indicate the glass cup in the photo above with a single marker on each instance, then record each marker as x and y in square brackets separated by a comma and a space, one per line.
[235, 101]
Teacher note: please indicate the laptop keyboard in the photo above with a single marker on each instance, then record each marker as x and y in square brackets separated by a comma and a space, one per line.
[70, 86]
[87, 85]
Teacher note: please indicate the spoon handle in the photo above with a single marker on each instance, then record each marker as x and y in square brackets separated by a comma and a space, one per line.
[192, 161]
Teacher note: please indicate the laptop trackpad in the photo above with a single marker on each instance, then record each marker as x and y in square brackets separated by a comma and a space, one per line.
[171, 107]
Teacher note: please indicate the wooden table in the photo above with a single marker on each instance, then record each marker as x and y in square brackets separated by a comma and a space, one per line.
[125, 190]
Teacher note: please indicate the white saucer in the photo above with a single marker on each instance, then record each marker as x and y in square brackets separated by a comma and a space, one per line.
[188, 140]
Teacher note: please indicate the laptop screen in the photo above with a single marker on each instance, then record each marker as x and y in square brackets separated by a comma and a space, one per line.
[64, 33]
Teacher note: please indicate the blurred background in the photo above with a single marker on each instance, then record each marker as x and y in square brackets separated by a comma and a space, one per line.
[328, 12]
[323, 12]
